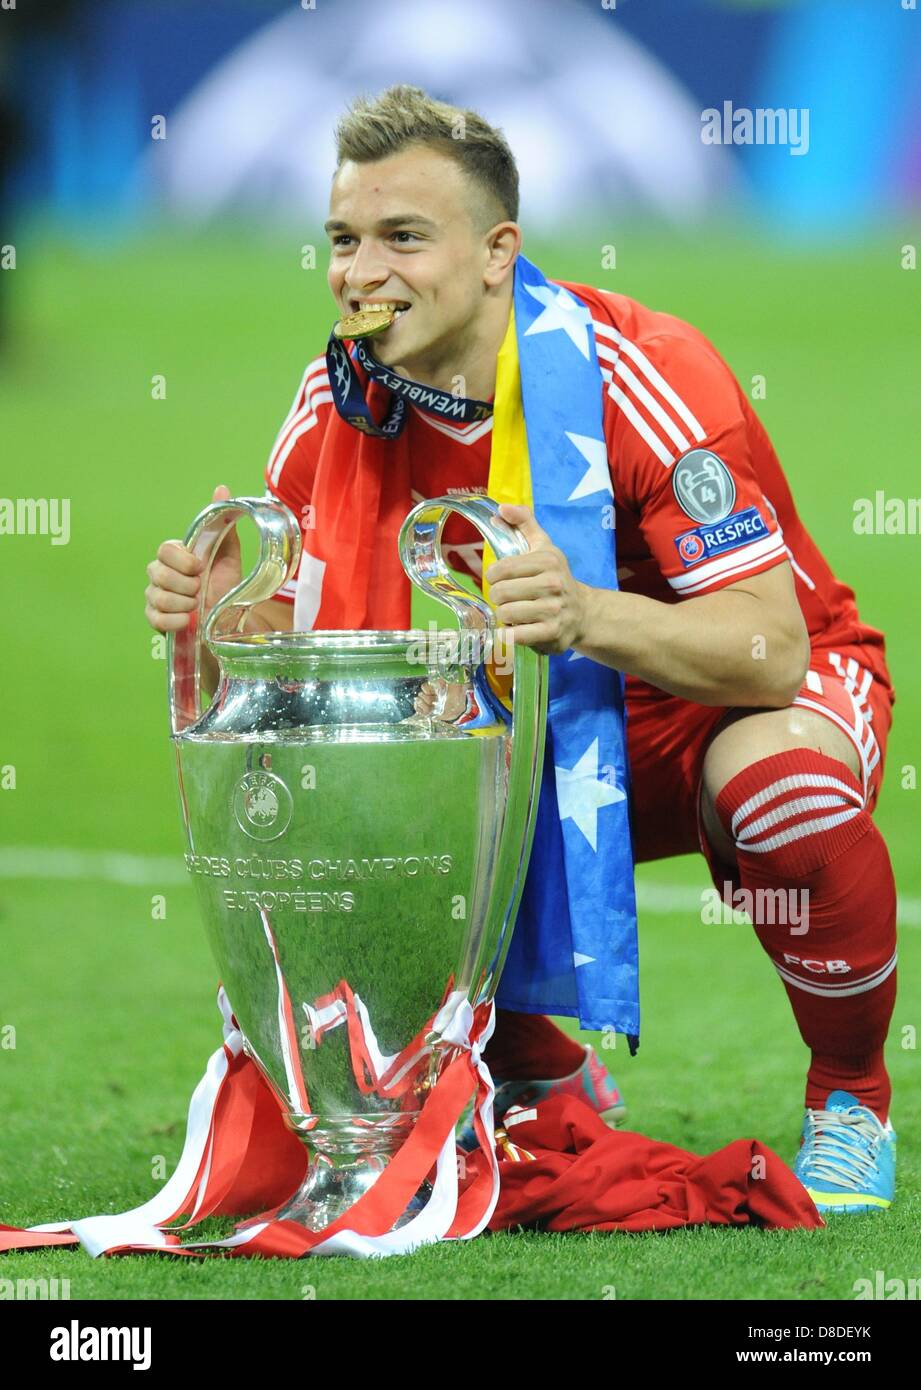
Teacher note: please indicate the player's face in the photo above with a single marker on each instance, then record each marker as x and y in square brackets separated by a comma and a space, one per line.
[402, 231]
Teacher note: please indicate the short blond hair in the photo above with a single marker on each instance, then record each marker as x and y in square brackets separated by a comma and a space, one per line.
[376, 127]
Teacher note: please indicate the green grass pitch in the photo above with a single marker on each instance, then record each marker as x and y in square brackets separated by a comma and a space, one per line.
[113, 1009]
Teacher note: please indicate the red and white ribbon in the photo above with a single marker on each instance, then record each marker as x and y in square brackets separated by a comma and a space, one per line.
[232, 1114]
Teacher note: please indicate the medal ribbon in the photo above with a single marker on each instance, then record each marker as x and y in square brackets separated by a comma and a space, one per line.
[349, 395]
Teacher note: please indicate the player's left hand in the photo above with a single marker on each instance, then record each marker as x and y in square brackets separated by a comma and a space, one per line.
[536, 599]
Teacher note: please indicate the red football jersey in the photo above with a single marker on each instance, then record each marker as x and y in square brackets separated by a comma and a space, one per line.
[700, 498]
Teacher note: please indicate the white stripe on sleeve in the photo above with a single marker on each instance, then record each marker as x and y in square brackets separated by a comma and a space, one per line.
[654, 377]
[641, 425]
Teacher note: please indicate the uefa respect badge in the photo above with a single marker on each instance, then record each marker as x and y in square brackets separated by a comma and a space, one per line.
[705, 542]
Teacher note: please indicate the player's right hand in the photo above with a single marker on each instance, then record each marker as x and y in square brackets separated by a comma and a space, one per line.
[175, 578]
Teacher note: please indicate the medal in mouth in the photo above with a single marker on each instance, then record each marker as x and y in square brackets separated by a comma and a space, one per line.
[364, 323]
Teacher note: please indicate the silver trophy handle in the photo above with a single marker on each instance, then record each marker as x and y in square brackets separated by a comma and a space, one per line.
[279, 556]
[423, 561]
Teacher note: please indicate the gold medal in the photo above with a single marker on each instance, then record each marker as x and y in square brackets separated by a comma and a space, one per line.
[364, 323]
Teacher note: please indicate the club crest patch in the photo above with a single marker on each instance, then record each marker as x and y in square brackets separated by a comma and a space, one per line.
[703, 486]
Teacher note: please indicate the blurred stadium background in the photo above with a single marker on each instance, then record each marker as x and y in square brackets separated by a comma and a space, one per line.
[188, 258]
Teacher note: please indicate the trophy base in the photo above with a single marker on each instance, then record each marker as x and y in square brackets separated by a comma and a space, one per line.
[331, 1189]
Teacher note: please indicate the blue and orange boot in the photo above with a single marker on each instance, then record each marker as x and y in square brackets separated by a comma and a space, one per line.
[847, 1159]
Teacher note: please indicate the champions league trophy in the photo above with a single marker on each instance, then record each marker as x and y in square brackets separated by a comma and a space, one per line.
[358, 865]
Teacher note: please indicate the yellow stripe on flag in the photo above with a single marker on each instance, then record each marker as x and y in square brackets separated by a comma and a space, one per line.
[509, 465]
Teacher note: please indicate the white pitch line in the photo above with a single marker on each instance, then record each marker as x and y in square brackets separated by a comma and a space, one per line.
[152, 870]
[99, 866]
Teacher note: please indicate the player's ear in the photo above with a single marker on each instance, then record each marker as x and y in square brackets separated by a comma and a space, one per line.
[502, 244]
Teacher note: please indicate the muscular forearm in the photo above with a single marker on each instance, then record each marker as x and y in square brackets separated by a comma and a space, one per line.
[726, 648]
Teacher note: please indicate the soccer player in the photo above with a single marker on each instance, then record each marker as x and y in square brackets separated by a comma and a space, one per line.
[758, 701]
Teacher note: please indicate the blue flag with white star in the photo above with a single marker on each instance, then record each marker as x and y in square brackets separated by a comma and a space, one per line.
[574, 948]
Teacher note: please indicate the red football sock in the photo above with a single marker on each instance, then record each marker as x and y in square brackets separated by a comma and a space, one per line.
[528, 1047]
[799, 826]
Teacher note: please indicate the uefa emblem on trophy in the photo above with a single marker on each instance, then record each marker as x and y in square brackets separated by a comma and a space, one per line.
[358, 864]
